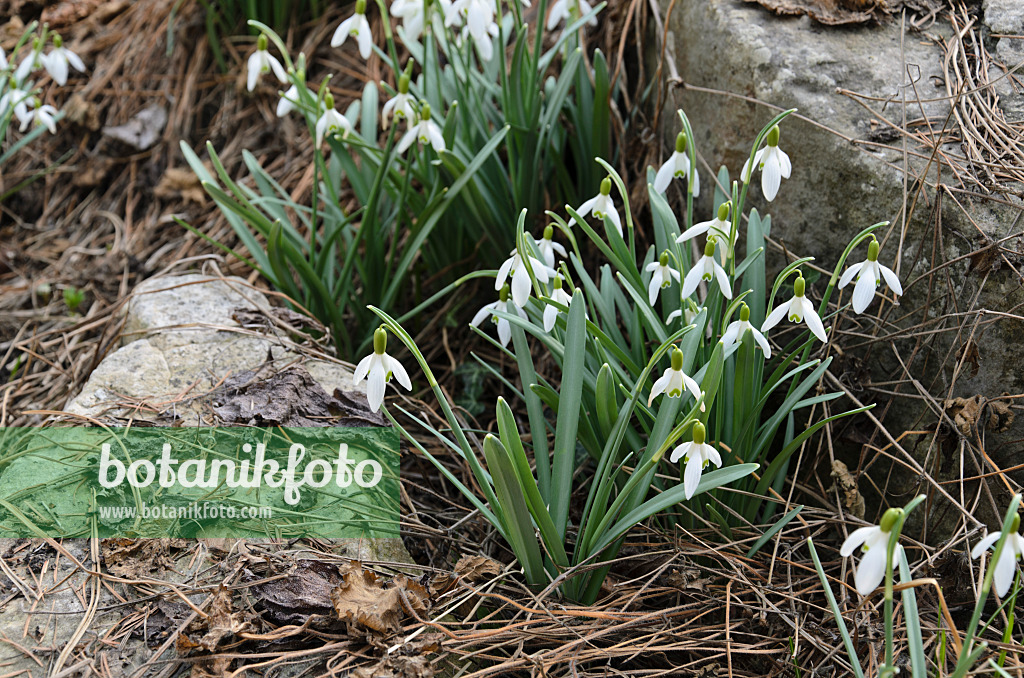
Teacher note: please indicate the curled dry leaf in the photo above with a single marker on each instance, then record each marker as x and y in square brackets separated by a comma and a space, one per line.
[361, 598]
[221, 622]
[180, 183]
[967, 413]
[139, 558]
[846, 484]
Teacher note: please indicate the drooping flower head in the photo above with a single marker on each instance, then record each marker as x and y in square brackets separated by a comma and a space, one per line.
[331, 122]
[33, 61]
[480, 24]
[707, 269]
[550, 312]
[696, 454]
[798, 309]
[676, 167]
[57, 61]
[42, 116]
[521, 284]
[602, 206]
[357, 27]
[719, 228]
[426, 132]
[662, 276]
[869, 274]
[414, 15]
[548, 247]
[569, 11]
[874, 542]
[17, 99]
[688, 312]
[262, 62]
[738, 329]
[674, 381]
[773, 163]
[400, 106]
[378, 368]
[502, 304]
[1013, 549]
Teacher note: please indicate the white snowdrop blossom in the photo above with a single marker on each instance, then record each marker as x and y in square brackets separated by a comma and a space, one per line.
[1013, 548]
[378, 368]
[413, 14]
[42, 116]
[707, 269]
[32, 62]
[569, 11]
[737, 329]
[674, 381]
[773, 163]
[425, 131]
[480, 24]
[676, 167]
[400, 106]
[548, 247]
[331, 122]
[696, 454]
[17, 99]
[798, 309]
[504, 326]
[521, 284]
[719, 227]
[3, 59]
[262, 62]
[601, 205]
[550, 312]
[357, 27]
[289, 100]
[689, 312]
[869, 274]
[874, 542]
[661, 278]
[57, 61]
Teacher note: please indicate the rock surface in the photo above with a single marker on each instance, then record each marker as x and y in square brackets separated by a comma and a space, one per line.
[961, 250]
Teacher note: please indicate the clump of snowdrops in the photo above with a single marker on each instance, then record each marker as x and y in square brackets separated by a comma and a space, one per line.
[670, 391]
[481, 122]
[21, 100]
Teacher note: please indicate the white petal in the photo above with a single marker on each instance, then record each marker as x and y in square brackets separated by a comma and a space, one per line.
[695, 230]
[504, 331]
[731, 333]
[691, 281]
[659, 387]
[891, 279]
[399, 373]
[341, 32]
[435, 136]
[871, 570]
[692, 386]
[814, 322]
[664, 176]
[521, 286]
[856, 538]
[984, 544]
[362, 369]
[696, 184]
[849, 273]
[775, 317]
[785, 166]
[654, 287]
[771, 177]
[74, 60]
[1005, 569]
[586, 207]
[691, 476]
[680, 451]
[407, 139]
[762, 342]
[613, 214]
[711, 454]
[365, 38]
[253, 66]
[550, 316]
[864, 290]
[277, 68]
[481, 315]
[723, 280]
[375, 386]
[57, 66]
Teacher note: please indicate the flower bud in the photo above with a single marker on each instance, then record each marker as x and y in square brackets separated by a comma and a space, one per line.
[606, 186]
[360, 6]
[799, 286]
[709, 247]
[261, 42]
[873, 250]
[723, 211]
[425, 111]
[699, 432]
[503, 294]
[329, 100]
[380, 340]
[681, 142]
[1015, 525]
[773, 136]
[745, 313]
[403, 84]
[558, 282]
[677, 360]
[889, 519]
[663, 259]
[549, 232]
[58, 42]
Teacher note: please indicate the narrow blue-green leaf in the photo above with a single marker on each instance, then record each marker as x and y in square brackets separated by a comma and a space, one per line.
[570, 397]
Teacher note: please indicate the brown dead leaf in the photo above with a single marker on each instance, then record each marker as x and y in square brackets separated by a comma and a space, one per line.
[181, 183]
[967, 413]
[138, 558]
[82, 112]
[95, 172]
[687, 578]
[220, 622]
[305, 592]
[969, 355]
[477, 568]
[397, 667]
[835, 12]
[68, 12]
[846, 484]
[362, 599]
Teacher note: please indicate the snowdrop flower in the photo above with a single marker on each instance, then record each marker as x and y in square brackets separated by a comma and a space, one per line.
[414, 13]
[869, 274]
[425, 131]
[3, 59]
[550, 312]
[662, 277]
[289, 100]
[1007, 565]
[689, 312]
[773, 163]
[32, 62]
[602, 206]
[400, 106]
[358, 27]
[331, 122]
[548, 247]
[56, 62]
[568, 10]
[262, 62]
[41, 115]
[676, 167]
[797, 309]
[719, 227]
[874, 542]
[378, 368]
[673, 381]
[738, 329]
[696, 455]
[480, 25]
[504, 326]
[707, 268]
[521, 284]
[18, 99]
